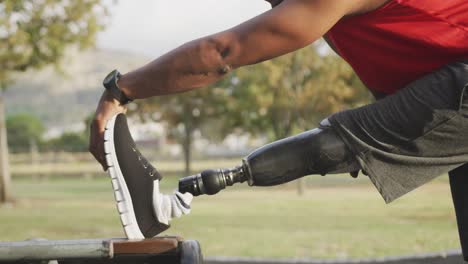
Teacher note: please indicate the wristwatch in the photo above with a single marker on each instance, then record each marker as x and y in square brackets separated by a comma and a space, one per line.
[110, 83]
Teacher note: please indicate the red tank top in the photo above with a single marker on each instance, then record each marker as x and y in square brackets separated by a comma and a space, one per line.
[402, 41]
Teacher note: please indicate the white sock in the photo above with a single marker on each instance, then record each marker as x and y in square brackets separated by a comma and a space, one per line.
[171, 206]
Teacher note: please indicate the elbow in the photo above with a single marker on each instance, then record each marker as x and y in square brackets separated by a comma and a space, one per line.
[222, 53]
[204, 61]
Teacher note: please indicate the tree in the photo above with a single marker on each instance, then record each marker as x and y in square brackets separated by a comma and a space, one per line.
[183, 114]
[23, 130]
[292, 93]
[34, 34]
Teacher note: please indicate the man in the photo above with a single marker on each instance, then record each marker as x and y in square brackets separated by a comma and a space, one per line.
[416, 51]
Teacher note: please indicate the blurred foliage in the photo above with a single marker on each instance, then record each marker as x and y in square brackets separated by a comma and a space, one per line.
[35, 33]
[292, 93]
[68, 142]
[23, 130]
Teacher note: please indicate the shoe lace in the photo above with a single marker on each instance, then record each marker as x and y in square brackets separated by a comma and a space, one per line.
[152, 172]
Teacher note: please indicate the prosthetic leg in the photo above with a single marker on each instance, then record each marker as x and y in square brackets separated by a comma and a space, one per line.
[319, 151]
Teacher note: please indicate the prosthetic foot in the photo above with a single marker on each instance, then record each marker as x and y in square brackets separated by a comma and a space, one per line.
[144, 211]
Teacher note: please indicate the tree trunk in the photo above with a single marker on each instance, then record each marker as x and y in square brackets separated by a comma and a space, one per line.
[34, 153]
[5, 179]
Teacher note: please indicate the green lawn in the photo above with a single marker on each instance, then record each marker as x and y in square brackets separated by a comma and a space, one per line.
[337, 217]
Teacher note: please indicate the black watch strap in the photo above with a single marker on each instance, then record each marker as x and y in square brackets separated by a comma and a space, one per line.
[110, 83]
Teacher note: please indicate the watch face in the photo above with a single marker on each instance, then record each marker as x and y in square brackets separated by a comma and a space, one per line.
[109, 77]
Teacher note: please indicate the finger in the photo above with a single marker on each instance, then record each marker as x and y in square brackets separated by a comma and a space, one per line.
[96, 144]
[92, 142]
[97, 155]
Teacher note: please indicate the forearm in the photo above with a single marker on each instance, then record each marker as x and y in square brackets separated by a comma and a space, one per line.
[194, 64]
[204, 61]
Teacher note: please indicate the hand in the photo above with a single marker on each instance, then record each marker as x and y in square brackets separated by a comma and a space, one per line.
[274, 2]
[108, 107]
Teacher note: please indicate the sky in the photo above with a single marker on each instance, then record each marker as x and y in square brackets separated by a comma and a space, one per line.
[153, 27]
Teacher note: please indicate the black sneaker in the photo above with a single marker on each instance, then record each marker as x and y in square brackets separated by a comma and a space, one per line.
[134, 180]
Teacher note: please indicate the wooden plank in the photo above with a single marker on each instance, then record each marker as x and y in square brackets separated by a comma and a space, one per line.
[156, 245]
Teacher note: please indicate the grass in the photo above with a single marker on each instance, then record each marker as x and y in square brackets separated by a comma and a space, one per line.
[92, 168]
[333, 219]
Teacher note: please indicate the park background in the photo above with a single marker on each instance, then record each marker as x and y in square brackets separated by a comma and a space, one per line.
[54, 55]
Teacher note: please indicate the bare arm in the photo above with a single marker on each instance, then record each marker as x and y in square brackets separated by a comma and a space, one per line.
[291, 25]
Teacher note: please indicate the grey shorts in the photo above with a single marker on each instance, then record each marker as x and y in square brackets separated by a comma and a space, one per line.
[412, 136]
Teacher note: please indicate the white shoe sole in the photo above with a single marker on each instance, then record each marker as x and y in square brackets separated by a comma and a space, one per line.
[121, 193]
